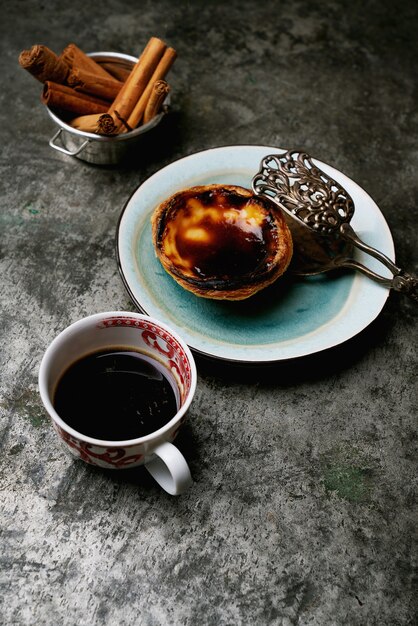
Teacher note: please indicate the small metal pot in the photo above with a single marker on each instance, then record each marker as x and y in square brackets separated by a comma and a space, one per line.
[100, 149]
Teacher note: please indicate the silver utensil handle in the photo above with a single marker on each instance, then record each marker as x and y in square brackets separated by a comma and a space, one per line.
[402, 281]
[355, 265]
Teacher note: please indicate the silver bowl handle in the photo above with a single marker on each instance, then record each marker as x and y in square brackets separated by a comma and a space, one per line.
[64, 150]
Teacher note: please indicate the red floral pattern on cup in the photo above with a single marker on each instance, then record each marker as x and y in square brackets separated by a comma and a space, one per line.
[114, 457]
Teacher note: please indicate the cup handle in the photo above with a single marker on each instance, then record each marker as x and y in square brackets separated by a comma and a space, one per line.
[169, 468]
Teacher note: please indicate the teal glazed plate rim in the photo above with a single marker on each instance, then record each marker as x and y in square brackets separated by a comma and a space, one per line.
[292, 318]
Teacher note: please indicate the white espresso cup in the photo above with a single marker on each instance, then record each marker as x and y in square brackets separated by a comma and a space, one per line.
[155, 341]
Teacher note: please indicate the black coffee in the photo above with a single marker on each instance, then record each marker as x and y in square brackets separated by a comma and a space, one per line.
[115, 394]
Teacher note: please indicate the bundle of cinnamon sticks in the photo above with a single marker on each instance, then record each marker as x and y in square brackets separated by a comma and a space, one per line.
[102, 98]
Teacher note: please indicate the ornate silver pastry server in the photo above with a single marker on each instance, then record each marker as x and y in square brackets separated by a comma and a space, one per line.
[320, 204]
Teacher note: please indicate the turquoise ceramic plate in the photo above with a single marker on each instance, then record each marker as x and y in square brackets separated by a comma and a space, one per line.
[292, 318]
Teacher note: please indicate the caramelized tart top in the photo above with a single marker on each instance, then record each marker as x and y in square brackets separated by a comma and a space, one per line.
[218, 236]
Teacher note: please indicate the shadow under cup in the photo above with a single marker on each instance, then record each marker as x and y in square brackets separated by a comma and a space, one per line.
[118, 329]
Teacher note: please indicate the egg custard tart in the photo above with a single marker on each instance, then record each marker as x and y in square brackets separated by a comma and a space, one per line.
[221, 241]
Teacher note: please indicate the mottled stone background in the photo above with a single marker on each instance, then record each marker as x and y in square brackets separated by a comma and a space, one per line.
[303, 509]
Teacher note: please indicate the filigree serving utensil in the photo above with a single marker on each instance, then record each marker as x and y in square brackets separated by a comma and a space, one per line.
[323, 209]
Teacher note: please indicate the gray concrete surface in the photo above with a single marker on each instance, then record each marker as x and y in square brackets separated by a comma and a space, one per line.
[319, 527]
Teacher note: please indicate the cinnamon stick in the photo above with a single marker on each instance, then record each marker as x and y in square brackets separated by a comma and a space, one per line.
[159, 93]
[87, 82]
[99, 123]
[161, 70]
[116, 70]
[137, 81]
[67, 99]
[106, 125]
[76, 58]
[44, 64]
